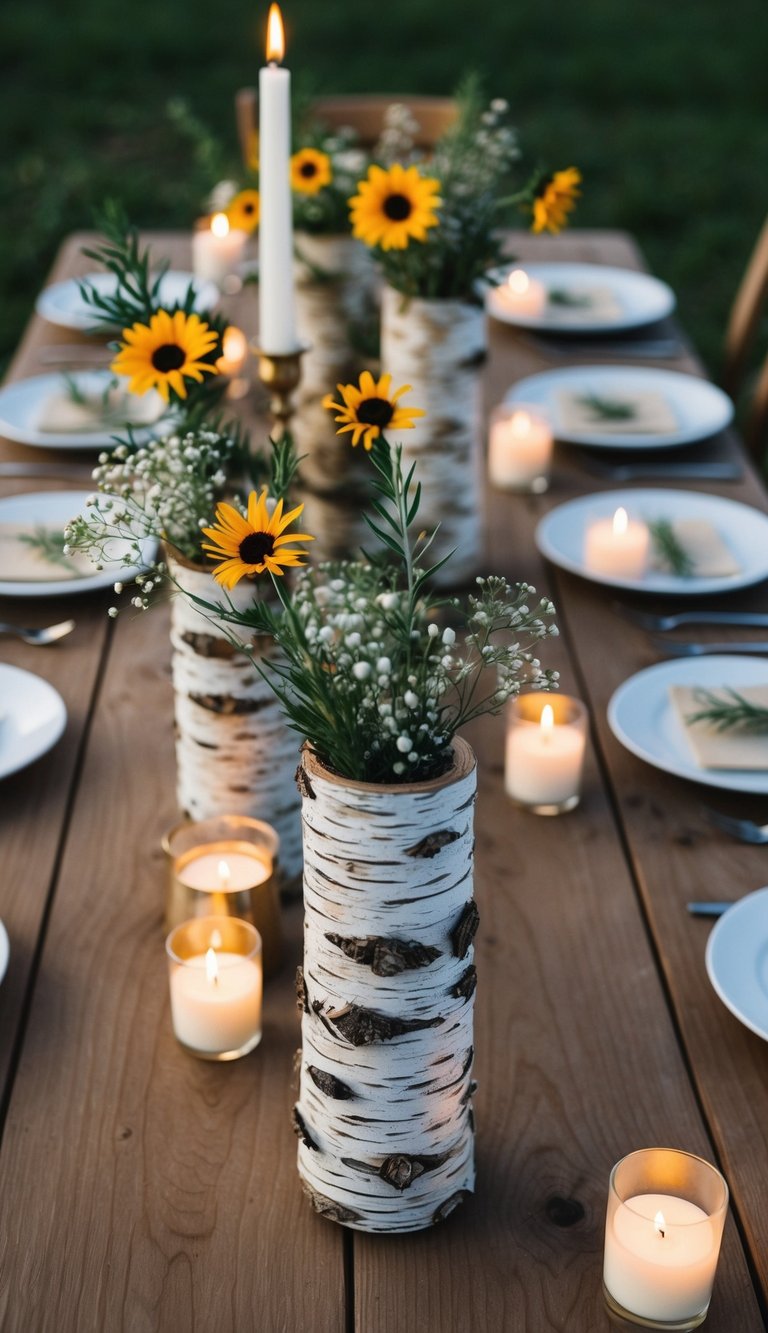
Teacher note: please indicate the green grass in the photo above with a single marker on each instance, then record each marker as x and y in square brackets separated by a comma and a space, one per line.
[664, 107]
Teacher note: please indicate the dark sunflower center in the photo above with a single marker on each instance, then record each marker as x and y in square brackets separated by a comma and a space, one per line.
[308, 169]
[375, 412]
[397, 208]
[248, 208]
[168, 357]
[255, 547]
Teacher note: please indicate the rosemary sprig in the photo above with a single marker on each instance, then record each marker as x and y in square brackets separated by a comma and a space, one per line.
[608, 409]
[49, 544]
[669, 548]
[570, 300]
[729, 711]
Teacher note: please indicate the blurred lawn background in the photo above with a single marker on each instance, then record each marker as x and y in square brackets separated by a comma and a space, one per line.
[663, 106]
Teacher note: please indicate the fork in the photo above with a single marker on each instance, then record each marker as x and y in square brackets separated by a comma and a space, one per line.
[704, 471]
[744, 830]
[668, 648]
[755, 619]
[40, 638]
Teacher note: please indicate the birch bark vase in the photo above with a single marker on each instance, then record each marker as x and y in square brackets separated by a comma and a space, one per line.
[234, 753]
[384, 1116]
[438, 347]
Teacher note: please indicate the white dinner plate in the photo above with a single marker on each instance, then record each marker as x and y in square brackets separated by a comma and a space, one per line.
[641, 716]
[639, 297]
[21, 402]
[5, 950]
[700, 408]
[58, 507]
[560, 537]
[737, 960]
[32, 718]
[62, 303]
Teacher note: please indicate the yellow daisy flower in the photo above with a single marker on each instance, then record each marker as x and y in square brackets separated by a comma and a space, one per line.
[394, 207]
[310, 171]
[370, 409]
[248, 546]
[163, 354]
[244, 210]
[555, 199]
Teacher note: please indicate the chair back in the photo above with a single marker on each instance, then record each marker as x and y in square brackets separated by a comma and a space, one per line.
[745, 315]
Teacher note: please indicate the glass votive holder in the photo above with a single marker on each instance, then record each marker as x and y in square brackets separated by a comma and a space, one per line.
[214, 972]
[520, 445]
[664, 1225]
[544, 758]
[226, 866]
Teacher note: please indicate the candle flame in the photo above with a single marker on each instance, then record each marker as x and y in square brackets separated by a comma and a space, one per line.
[518, 282]
[220, 224]
[547, 720]
[215, 939]
[520, 423]
[275, 35]
[224, 875]
[620, 522]
[660, 1224]
[211, 967]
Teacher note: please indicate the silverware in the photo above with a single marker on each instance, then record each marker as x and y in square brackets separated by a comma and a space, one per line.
[583, 348]
[707, 909]
[66, 471]
[40, 638]
[692, 471]
[743, 830]
[67, 353]
[668, 648]
[755, 619]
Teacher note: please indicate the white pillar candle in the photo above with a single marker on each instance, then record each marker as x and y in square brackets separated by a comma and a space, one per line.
[617, 546]
[519, 449]
[216, 984]
[546, 739]
[217, 250]
[519, 294]
[277, 323]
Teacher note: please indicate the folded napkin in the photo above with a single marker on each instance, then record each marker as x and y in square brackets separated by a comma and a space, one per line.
[582, 304]
[60, 414]
[710, 557]
[21, 562]
[721, 749]
[637, 412]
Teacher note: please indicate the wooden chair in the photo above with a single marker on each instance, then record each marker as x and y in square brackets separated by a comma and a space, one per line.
[745, 315]
[756, 419]
[365, 114]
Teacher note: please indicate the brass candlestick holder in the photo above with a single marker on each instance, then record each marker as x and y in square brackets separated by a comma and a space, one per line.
[280, 374]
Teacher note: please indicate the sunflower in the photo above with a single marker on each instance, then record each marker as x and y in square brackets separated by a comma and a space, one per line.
[310, 171]
[163, 354]
[248, 546]
[244, 210]
[369, 410]
[394, 207]
[555, 199]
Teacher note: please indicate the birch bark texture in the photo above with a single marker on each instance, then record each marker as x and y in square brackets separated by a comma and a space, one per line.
[384, 1117]
[438, 347]
[235, 755]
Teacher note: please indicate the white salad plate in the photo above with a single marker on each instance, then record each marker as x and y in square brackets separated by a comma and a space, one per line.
[32, 718]
[561, 533]
[21, 403]
[700, 408]
[639, 297]
[642, 718]
[737, 960]
[63, 304]
[49, 508]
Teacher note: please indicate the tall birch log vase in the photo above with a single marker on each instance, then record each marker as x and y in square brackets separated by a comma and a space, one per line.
[384, 1117]
[235, 755]
[438, 347]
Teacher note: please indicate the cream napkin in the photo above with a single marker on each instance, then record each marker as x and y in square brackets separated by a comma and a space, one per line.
[651, 413]
[590, 303]
[22, 563]
[710, 556]
[59, 414]
[721, 749]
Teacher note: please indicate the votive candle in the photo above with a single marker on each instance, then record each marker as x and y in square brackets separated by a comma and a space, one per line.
[519, 294]
[519, 448]
[546, 740]
[217, 249]
[618, 546]
[214, 965]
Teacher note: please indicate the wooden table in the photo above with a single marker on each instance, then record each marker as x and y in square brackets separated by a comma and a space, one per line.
[143, 1190]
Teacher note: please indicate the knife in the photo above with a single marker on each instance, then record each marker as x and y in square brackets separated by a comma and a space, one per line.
[708, 909]
[73, 471]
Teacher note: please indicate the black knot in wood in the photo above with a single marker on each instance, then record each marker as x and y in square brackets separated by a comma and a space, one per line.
[300, 1129]
[302, 999]
[448, 1206]
[303, 783]
[470, 1092]
[465, 986]
[465, 929]
[400, 1170]
[335, 1212]
[227, 705]
[564, 1212]
[433, 843]
[362, 1027]
[207, 645]
[327, 1083]
[468, 1061]
[385, 957]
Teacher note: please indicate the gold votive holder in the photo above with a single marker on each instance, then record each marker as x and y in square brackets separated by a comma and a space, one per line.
[545, 744]
[215, 978]
[664, 1224]
[226, 866]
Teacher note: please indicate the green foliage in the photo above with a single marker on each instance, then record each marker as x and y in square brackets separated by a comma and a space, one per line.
[669, 549]
[729, 711]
